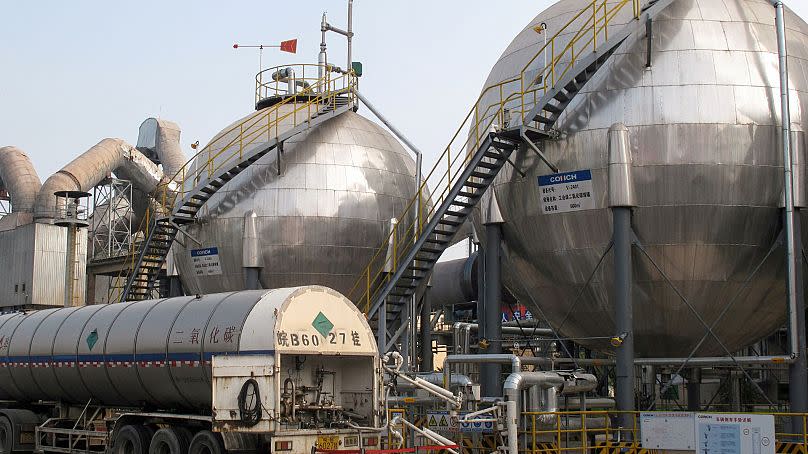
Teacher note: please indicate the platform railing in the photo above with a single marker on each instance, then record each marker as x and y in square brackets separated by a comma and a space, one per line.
[590, 431]
[499, 105]
[272, 82]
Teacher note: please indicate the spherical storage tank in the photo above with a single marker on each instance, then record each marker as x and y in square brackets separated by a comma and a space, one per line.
[317, 222]
[707, 171]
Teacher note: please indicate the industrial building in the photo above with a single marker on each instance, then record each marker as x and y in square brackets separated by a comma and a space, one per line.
[630, 182]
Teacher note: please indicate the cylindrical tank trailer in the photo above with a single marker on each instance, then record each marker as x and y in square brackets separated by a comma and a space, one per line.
[291, 364]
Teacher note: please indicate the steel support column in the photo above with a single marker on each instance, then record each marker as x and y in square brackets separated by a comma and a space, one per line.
[491, 326]
[798, 370]
[624, 310]
[621, 199]
[426, 332]
[694, 390]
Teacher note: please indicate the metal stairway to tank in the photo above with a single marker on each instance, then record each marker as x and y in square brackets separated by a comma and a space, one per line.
[153, 252]
[233, 151]
[403, 263]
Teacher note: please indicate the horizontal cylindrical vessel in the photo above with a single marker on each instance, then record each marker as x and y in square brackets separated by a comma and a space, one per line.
[154, 353]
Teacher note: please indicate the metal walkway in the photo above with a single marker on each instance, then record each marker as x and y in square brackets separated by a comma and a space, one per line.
[496, 126]
[220, 161]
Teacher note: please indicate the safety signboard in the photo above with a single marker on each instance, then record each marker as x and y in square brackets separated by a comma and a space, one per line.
[565, 192]
[671, 430]
[734, 433]
[206, 261]
[443, 421]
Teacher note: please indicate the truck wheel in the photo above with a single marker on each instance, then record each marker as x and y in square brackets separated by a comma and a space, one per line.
[169, 441]
[132, 439]
[207, 442]
[6, 436]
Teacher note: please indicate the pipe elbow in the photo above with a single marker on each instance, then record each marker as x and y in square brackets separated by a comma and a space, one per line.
[513, 383]
[19, 178]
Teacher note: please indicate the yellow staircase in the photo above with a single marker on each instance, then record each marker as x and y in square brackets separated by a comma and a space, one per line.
[519, 110]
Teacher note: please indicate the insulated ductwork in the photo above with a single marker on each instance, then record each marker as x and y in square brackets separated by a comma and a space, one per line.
[159, 140]
[20, 180]
[86, 171]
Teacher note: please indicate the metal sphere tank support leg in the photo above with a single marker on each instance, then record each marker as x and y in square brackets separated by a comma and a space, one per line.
[426, 332]
[798, 370]
[492, 317]
[621, 199]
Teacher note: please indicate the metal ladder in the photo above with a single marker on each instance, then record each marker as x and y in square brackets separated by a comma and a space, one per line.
[321, 101]
[140, 284]
[436, 236]
[403, 263]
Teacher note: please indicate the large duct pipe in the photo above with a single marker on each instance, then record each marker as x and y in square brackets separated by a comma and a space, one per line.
[159, 140]
[454, 281]
[19, 178]
[87, 170]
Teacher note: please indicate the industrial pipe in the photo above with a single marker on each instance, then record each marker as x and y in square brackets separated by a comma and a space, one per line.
[322, 57]
[349, 35]
[510, 330]
[798, 377]
[19, 178]
[159, 140]
[512, 388]
[702, 361]
[434, 436]
[87, 170]
[504, 358]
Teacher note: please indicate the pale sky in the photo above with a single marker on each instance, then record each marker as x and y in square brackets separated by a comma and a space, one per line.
[76, 72]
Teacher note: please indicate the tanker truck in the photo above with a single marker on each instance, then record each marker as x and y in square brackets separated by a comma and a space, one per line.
[270, 371]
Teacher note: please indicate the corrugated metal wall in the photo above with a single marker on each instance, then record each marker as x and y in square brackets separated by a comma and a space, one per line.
[33, 265]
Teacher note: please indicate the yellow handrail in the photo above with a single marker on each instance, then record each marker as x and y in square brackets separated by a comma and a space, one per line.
[492, 108]
[228, 148]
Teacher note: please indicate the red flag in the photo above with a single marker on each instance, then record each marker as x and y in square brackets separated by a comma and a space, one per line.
[289, 46]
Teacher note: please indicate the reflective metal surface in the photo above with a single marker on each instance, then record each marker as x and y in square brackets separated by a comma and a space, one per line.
[707, 171]
[155, 353]
[319, 221]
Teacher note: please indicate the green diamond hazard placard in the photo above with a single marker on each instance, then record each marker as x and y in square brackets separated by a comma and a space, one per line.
[322, 324]
[92, 338]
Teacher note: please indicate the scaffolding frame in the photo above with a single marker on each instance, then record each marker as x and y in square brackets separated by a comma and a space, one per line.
[111, 234]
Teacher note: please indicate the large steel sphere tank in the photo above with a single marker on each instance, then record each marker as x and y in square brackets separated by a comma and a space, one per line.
[707, 169]
[318, 221]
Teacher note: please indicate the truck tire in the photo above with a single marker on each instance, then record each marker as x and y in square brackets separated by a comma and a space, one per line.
[207, 442]
[6, 436]
[170, 441]
[132, 439]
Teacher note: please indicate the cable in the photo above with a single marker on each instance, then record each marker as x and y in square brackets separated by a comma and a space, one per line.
[250, 416]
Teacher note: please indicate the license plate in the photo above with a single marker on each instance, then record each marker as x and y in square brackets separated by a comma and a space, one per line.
[328, 442]
[351, 441]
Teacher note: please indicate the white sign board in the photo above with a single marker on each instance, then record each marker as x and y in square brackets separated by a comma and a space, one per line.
[734, 434]
[442, 421]
[668, 430]
[565, 192]
[206, 261]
